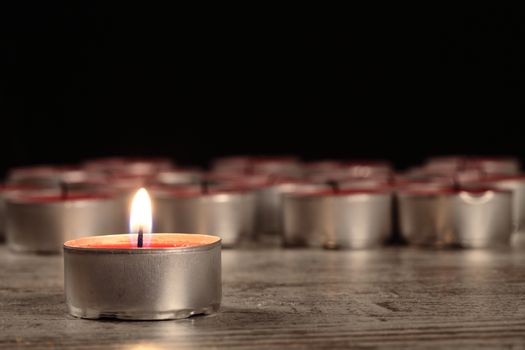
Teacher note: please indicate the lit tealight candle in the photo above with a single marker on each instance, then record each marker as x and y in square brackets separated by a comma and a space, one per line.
[143, 275]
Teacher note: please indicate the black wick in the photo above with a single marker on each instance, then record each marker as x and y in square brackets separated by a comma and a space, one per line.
[334, 185]
[140, 237]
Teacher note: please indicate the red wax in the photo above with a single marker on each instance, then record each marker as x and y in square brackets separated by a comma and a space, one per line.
[502, 177]
[151, 241]
[357, 191]
[133, 245]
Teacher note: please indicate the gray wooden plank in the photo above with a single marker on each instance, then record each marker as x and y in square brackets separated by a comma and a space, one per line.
[392, 297]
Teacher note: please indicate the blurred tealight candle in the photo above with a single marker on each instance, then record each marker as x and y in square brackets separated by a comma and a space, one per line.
[142, 275]
[516, 184]
[345, 219]
[425, 213]
[225, 212]
[43, 222]
[482, 217]
[7, 190]
[269, 199]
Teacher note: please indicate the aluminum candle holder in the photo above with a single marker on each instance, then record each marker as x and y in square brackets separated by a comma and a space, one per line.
[42, 223]
[305, 219]
[360, 218]
[173, 276]
[229, 214]
[425, 214]
[354, 219]
[12, 190]
[482, 217]
[516, 184]
[270, 203]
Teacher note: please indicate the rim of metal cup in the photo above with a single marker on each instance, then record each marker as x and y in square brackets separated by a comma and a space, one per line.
[145, 250]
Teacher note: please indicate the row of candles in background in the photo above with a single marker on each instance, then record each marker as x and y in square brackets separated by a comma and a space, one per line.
[448, 201]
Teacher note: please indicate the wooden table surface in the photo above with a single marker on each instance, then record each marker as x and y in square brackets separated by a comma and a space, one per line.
[396, 297]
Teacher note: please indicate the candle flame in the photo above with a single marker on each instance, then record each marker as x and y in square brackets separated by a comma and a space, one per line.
[141, 213]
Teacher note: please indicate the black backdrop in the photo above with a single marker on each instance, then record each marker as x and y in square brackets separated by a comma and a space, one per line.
[395, 83]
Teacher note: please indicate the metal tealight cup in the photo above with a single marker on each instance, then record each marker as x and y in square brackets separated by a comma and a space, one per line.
[145, 283]
[483, 217]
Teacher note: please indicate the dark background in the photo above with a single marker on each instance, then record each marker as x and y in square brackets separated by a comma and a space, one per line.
[385, 82]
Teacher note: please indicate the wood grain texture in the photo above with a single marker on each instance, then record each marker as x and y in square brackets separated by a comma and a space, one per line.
[275, 298]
